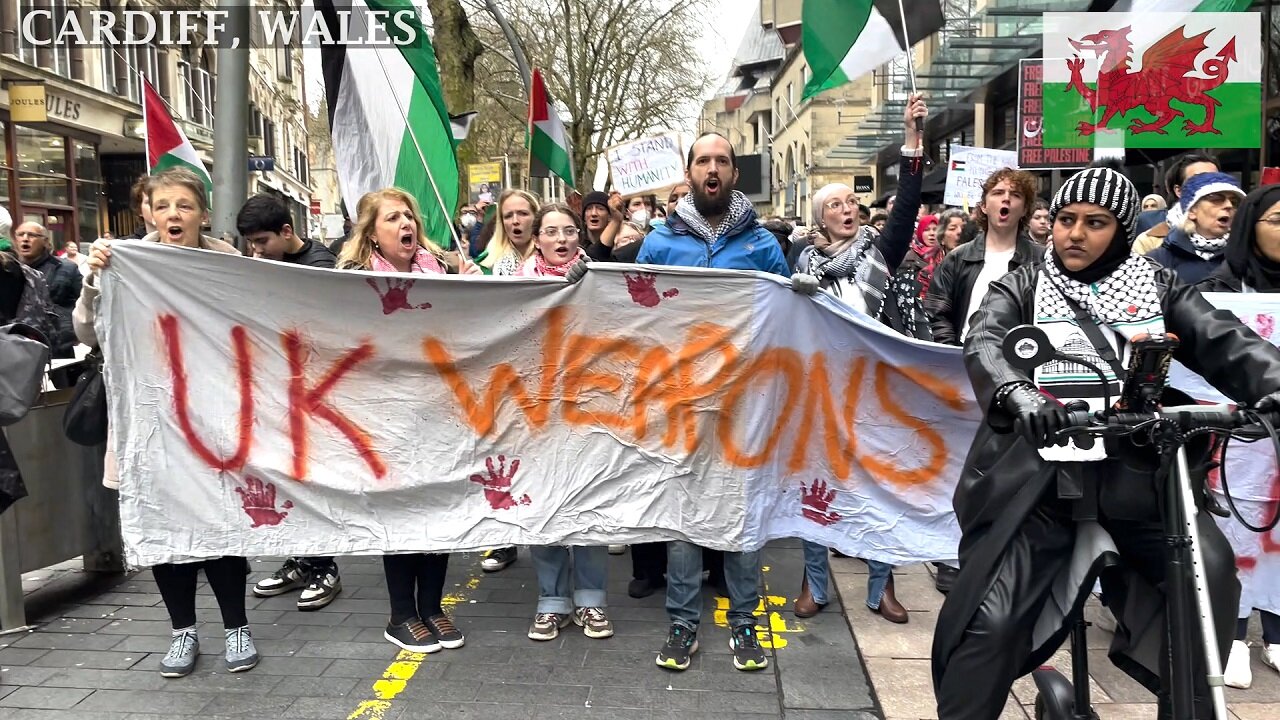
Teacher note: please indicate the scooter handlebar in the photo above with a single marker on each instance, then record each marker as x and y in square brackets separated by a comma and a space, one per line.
[1187, 417]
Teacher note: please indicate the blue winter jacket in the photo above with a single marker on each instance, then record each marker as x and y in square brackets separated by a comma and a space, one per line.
[1179, 255]
[744, 246]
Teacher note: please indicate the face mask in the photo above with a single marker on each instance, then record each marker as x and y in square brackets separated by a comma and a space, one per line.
[640, 217]
[468, 221]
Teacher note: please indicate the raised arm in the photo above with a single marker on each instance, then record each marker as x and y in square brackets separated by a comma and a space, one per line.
[895, 241]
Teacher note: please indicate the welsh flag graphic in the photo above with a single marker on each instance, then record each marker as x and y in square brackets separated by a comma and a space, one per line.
[167, 145]
[548, 143]
[387, 114]
[1150, 79]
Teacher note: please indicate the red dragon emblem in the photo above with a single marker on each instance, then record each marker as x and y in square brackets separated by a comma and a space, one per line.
[1163, 78]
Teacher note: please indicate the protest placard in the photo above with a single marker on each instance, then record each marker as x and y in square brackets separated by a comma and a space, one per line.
[969, 167]
[647, 165]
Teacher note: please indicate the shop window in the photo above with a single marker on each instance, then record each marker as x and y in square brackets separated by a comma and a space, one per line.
[90, 190]
[5, 170]
[42, 167]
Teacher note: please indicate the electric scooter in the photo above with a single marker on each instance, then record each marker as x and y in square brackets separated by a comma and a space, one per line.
[1168, 429]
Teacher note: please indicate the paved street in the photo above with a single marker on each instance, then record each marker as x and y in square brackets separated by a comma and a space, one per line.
[94, 651]
[95, 657]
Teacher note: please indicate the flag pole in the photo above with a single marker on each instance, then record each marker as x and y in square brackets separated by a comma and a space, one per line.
[146, 136]
[911, 62]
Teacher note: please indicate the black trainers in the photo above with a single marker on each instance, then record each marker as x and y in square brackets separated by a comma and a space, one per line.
[495, 560]
[681, 644]
[747, 653]
[445, 631]
[321, 591]
[413, 636]
[290, 575]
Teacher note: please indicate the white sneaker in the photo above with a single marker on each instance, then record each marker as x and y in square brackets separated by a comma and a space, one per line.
[1271, 656]
[1237, 673]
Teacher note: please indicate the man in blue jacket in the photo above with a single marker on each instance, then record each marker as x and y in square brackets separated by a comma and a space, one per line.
[715, 227]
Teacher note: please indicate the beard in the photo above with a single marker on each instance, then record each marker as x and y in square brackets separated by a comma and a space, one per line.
[713, 205]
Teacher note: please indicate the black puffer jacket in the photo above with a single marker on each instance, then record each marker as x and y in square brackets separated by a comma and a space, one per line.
[1004, 478]
[953, 281]
[63, 280]
[1179, 255]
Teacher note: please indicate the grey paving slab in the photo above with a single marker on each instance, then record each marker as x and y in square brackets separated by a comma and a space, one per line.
[88, 659]
[107, 679]
[67, 641]
[44, 697]
[468, 711]
[539, 694]
[19, 656]
[165, 703]
[323, 708]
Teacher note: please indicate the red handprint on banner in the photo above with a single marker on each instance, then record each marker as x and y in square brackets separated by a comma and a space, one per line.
[260, 502]
[815, 500]
[497, 486]
[643, 290]
[396, 295]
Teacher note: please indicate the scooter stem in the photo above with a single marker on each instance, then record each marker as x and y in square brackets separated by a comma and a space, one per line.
[1213, 661]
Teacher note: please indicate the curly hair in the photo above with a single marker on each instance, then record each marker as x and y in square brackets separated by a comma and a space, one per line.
[357, 253]
[1023, 183]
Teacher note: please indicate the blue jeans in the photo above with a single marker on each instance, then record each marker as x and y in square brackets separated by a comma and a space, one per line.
[684, 585]
[590, 571]
[817, 570]
[878, 575]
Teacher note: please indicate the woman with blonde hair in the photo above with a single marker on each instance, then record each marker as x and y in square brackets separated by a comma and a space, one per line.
[388, 237]
[512, 242]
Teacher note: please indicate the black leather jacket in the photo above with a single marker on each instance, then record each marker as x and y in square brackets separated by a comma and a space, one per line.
[1004, 478]
[953, 281]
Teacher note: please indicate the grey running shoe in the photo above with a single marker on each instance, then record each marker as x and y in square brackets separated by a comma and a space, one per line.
[241, 653]
[183, 650]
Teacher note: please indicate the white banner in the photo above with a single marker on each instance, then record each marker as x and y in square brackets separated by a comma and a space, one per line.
[647, 165]
[968, 168]
[261, 408]
[1252, 476]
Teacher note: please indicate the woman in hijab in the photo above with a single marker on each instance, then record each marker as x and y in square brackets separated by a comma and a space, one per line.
[1024, 570]
[911, 281]
[1252, 265]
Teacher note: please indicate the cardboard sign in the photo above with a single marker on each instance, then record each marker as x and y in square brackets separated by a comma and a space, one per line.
[968, 168]
[648, 165]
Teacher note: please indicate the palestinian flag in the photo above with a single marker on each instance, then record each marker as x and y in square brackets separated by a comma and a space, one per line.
[845, 39]
[1191, 79]
[547, 141]
[387, 114]
[167, 146]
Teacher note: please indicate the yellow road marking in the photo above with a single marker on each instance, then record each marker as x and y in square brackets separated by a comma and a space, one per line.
[401, 670]
[772, 636]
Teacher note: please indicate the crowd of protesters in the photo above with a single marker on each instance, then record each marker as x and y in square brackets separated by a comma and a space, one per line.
[922, 272]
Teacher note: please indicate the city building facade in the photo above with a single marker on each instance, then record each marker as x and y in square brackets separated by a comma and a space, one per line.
[73, 172]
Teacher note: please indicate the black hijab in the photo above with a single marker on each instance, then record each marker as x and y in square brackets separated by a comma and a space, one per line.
[1254, 270]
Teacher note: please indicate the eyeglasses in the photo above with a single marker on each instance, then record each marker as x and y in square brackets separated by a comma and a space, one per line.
[1273, 220]
[28, 233]
[568, 233]
[840, 204]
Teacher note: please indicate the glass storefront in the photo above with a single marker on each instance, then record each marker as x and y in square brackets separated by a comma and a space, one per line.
[57, 179]
[42, 167]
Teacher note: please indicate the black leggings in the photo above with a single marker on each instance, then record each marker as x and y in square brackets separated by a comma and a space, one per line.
[227, 578]
[415, 584]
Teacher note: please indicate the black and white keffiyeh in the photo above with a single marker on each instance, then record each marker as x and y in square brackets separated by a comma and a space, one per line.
[739, 206]
[1125, 305]
[861, 262]
[1208, 248]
